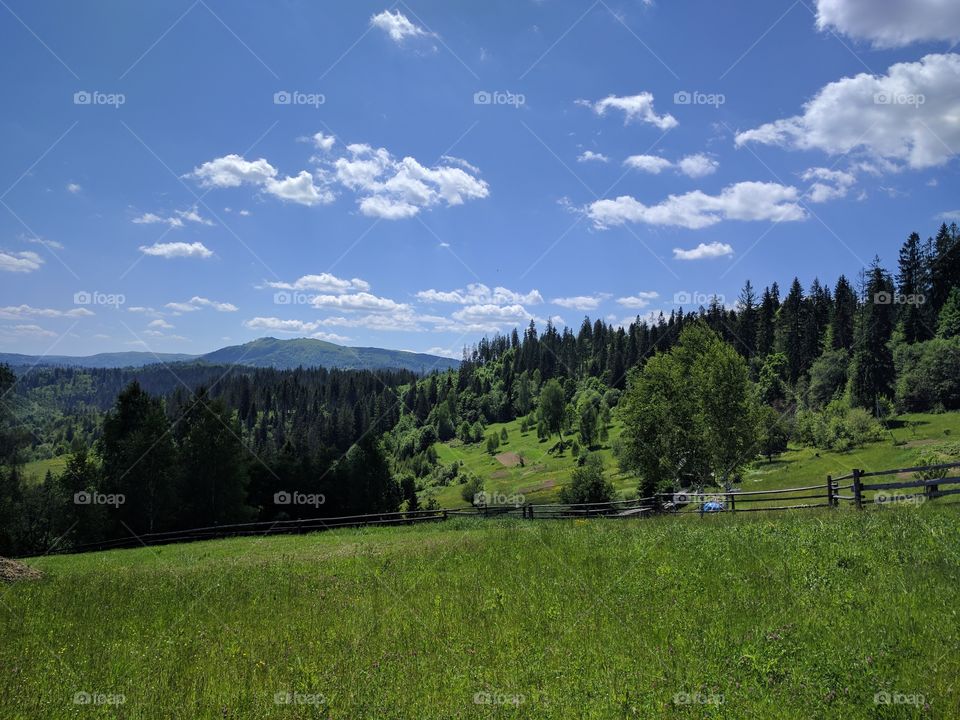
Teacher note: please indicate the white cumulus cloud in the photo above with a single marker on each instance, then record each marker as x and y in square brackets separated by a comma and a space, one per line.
[634, 108]
[397, 26]
[176, 250]
[892, 23]
[907, 117]
[695, 210]
[25, 261]
[703, 251]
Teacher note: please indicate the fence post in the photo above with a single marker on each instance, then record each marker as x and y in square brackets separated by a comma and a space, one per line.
[732, 502]
[830, 498]
[857, 490]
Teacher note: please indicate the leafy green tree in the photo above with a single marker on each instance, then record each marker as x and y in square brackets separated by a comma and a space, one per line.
[588, 417]
[588, 483]
[471, 488]
[828, 376]
[553, 406]
[493, 442]
[775, 432]
[504, 436]
[690, 415]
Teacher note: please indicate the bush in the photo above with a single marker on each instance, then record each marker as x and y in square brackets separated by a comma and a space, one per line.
[837, 427]
[471, 488]
[589, 485]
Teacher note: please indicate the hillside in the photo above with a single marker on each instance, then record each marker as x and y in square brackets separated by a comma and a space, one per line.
[809, 614]
[543, 474]
[307, 352]
[100, 360]
[263, 352]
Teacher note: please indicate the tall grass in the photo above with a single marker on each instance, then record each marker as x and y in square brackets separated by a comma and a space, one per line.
[805, 615]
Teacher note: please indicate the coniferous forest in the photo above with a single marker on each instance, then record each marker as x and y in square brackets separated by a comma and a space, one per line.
[192, 445]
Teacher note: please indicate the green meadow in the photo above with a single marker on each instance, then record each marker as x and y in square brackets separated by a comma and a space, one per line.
[810, 614]
[543, 474]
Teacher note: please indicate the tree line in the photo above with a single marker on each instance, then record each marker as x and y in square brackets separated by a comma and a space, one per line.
[701, 393]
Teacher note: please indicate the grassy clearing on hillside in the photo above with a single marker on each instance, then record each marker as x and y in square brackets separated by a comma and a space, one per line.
[804, 615]
[544, 475]
[36, 470]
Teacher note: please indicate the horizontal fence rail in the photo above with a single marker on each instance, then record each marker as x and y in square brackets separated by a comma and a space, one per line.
[691, 502]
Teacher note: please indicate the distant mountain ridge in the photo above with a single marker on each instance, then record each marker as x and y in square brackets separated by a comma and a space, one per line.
[263, 352]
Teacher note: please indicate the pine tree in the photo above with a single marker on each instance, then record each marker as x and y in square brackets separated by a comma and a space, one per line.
[746, 342]
[767, 320]
[791, 328]
[872, 371]
[944, 264]
[914, 290]
[843, 316]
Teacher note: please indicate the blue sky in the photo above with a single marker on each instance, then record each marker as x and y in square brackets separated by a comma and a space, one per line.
[183, 175]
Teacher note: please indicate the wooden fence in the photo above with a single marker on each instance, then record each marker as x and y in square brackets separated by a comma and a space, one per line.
[829, 494]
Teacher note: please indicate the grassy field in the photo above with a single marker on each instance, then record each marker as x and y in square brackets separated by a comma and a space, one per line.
[813, 614]
[36, 470]
[543, 475]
